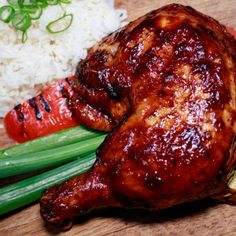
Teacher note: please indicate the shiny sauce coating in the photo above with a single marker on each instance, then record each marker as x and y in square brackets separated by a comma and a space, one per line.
[166, 85]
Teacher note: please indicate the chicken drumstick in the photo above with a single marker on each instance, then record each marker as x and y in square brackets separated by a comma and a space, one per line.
[165, 84]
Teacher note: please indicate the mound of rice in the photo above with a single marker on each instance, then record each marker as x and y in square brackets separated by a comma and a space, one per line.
[44, 57]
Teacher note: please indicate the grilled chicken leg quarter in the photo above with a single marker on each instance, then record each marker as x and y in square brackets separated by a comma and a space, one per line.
[165, 85]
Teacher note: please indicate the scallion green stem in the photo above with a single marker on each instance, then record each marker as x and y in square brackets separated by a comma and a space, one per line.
[28, 163]
[5, 13]
[34, 12]
[29, 190]
[21, 13]
[21, 21]
[57, 25]
[52, 2]
[58, 139]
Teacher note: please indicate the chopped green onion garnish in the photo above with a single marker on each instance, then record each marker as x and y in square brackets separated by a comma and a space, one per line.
[21, 3]
[5, 13]
[34, 12]
[57, 25]
[65, 1]
[24, 36]
[33, 2]
[42, 3]
[21, 21]
[52, 2]
[20, 14]
[13, 2]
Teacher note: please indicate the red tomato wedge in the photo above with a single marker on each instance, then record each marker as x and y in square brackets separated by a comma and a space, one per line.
[43, 114]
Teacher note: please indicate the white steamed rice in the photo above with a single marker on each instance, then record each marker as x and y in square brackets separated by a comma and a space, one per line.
[44, 57]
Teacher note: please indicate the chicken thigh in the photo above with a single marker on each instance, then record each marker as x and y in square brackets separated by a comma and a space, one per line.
[165, 85]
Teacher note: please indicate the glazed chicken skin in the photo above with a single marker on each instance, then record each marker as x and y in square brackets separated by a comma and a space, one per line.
[165, 86]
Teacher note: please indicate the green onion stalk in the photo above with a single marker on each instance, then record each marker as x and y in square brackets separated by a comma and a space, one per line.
[30, 190]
